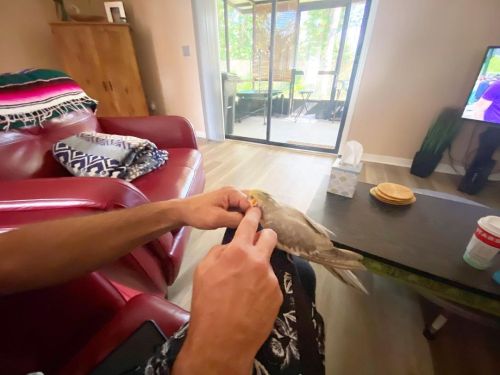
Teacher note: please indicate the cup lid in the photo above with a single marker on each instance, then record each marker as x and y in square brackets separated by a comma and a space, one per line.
[491, 224]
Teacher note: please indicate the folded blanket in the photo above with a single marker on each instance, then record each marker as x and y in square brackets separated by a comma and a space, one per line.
[31, 97]
[94, 154]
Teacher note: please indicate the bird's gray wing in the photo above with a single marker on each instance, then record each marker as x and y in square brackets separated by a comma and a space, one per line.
[304, 237]
[294, 234]
[327, 253]
[317, 227]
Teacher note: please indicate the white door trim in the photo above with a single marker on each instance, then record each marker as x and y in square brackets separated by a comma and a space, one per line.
[359, 74]
[207, 48]
[207, 45]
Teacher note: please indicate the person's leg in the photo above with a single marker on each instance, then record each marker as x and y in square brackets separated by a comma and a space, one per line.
[228, 236]
[296, 344]
[304, 269]
[307, 276]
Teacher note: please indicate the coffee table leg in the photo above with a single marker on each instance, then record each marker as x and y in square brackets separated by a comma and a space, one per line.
[431, 330]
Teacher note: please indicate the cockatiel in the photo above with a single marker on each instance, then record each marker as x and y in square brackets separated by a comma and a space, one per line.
[300, 235]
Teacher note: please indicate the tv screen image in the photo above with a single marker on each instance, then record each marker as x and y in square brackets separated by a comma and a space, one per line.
[484, 100]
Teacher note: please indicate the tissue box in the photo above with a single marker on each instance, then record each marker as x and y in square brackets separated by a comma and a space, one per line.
[344, 178]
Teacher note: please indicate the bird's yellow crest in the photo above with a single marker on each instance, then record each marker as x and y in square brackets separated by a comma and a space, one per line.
[256, 197]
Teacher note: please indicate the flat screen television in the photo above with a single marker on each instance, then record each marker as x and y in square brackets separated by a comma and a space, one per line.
[483, 103]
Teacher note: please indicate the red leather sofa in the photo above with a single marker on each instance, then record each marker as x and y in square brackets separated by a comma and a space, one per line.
[34, 187]
[70, 328]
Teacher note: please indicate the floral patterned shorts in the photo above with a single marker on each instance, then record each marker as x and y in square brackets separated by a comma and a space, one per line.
[296, 343]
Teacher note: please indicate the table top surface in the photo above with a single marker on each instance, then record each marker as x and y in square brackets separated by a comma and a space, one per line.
[428, 237]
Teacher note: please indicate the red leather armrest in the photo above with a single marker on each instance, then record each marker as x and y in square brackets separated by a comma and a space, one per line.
[165, 131]
[68, 192]
[28, 201]
[168, 316]
[43, 328]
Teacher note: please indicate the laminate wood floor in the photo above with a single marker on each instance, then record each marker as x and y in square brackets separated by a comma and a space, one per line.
[375, 334]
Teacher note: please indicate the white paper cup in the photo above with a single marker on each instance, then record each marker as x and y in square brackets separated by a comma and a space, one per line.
[484, 244]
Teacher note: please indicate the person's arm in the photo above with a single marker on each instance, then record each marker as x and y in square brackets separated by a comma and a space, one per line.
[480, 107]
[48, 253]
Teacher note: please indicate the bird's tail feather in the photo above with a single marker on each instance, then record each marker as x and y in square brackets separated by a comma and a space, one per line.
[347, 277]
[338, 258]
[351, 254]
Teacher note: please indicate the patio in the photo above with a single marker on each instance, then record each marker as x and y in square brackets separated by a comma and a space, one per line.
[302, 78]
[306, 131]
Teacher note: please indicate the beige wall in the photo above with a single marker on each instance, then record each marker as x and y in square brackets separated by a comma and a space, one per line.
[423, 56]
[86, 7]
[25, 39]
[171, 80]
[160, 28]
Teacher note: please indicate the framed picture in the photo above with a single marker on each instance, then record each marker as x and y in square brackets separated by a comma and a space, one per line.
[115, 11]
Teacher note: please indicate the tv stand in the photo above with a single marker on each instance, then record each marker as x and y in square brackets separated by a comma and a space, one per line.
[477, 174]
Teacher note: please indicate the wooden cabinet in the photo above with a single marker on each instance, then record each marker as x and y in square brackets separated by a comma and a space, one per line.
[101, 58]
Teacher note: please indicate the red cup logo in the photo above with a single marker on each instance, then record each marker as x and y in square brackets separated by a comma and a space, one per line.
[487, 237]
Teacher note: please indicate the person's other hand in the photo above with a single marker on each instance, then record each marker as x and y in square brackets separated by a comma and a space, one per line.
[236, 298]
[220, 208]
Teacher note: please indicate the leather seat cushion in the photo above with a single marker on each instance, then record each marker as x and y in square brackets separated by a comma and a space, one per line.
[173, 180]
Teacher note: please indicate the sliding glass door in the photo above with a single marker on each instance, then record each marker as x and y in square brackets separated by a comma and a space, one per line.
[288, 68]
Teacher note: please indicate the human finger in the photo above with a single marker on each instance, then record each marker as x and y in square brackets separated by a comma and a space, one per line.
[248, 226]
[237, 199]
[230, 219]
[267, 242]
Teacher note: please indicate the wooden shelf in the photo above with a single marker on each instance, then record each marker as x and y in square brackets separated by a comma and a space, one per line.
[100, 57]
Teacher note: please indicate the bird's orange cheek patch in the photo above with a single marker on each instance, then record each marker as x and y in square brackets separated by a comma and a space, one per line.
[253, 202]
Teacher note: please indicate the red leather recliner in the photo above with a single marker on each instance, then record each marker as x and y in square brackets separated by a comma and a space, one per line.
[35, 187]
[71, 328]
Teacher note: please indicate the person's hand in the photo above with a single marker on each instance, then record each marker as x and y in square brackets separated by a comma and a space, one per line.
[236, 298]
[219, 208]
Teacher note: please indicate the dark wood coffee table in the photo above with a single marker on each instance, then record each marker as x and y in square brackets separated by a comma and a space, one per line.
[421, 244]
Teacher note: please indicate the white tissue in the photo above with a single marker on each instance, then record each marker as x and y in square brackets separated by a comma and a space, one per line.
[353, 151]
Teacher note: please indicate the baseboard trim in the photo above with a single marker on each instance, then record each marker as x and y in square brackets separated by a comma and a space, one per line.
[384, 159]
[200, 134]
[402, 162]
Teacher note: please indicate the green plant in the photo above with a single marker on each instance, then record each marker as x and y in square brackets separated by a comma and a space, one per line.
[442, 132]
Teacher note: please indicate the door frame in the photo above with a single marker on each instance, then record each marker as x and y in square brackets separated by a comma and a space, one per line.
[205, 29]
[206, 32]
